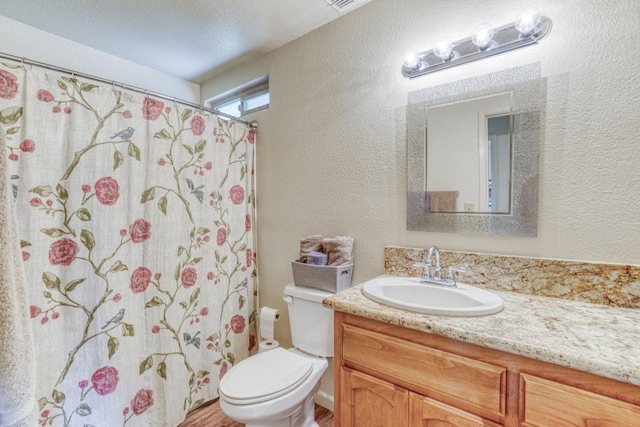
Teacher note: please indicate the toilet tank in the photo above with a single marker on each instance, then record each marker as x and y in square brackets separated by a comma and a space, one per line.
[311, 323]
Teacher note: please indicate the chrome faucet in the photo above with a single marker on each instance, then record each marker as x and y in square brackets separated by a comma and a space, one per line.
[432, 273]
[436, 273]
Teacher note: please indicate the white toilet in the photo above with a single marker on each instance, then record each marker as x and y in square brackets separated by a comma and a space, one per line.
[277, 388]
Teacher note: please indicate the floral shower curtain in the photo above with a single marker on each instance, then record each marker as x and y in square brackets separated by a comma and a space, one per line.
[136, 226]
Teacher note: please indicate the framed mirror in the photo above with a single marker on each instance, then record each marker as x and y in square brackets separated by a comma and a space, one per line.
[472, 154]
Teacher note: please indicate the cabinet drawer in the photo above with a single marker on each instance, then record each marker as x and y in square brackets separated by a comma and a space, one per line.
[544, 403]
[474, 386]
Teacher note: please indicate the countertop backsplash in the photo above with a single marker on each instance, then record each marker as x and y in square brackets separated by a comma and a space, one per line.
[609, 284]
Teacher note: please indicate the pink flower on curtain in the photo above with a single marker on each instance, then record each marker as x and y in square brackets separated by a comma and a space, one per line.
[140, 230]
[56, 109]
[237, 324]
[221, 236]
[189, 277]
[8, 85]
[63, 252]
[105, 380]
[86, 188]
[44, 95]
[140, 279]
[107, 190]
[142, 401]
[35, 202]
[127, 114]
[197, 125]
[208, 166]
[152, 108]
[83, 384]
[28, 146]
[34, 311]
[252, 136]
[247, 222]
[25, 256]
[249, 257]
[237, 194]
[204, 311]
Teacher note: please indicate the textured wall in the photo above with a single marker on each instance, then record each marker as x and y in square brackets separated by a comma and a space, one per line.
[332, 153]
[28, 42]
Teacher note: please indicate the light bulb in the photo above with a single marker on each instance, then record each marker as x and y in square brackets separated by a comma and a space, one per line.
[443, 49]
[482, 36]
[528, 21]
[412, 61]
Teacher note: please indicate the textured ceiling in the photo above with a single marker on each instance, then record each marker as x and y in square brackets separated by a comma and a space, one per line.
[190, 39]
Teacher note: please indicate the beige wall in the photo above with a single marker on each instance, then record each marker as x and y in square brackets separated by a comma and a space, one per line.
[331, 147]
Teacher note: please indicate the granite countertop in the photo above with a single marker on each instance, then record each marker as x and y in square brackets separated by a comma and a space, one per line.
[594, 338]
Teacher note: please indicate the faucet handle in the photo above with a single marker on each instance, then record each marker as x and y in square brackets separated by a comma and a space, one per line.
[451, 270]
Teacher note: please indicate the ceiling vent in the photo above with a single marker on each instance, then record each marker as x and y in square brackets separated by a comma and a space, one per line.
[343, 6]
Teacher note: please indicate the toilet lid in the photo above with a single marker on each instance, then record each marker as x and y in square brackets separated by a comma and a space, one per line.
[264, 376]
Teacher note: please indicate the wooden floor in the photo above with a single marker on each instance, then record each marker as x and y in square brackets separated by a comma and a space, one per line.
[211, 416]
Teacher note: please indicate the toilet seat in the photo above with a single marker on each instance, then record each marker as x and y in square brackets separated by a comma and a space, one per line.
[264, 376]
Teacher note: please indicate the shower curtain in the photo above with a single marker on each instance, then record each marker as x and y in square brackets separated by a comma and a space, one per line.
[135, 219]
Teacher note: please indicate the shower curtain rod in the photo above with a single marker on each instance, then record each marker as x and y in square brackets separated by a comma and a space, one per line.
[253, 124]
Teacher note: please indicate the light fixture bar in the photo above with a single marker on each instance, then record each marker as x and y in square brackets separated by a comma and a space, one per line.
[505, 39]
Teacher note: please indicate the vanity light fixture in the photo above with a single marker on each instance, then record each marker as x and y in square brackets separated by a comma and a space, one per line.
[527, 29]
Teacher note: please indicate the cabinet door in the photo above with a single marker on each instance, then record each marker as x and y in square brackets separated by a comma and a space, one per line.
[370, 402]
[426, 412]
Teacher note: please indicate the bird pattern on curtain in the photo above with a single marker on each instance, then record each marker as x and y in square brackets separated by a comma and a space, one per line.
[136, 226]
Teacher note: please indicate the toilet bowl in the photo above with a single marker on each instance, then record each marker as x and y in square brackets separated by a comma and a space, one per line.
[273, 389]
[277, 388]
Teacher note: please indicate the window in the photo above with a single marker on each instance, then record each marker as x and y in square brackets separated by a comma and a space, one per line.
[245, 99]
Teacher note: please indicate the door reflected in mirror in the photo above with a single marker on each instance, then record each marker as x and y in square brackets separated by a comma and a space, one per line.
[468, 155]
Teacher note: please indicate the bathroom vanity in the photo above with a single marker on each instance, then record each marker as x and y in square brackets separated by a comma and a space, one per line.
[540, 362]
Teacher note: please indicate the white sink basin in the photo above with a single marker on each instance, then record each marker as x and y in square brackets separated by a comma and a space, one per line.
[407, 293]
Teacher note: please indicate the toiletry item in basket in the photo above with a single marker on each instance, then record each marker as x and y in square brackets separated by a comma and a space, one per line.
[317, 258]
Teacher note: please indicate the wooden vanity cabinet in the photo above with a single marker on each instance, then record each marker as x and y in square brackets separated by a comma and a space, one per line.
[389, 376]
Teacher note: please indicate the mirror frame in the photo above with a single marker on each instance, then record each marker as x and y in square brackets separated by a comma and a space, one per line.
[524, 83]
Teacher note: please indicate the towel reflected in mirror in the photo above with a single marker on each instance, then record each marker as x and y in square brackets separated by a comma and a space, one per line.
[441, 201]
